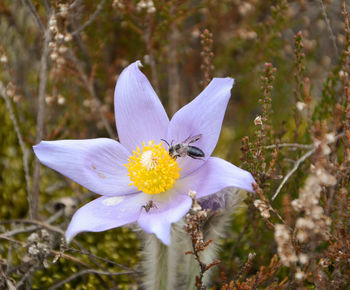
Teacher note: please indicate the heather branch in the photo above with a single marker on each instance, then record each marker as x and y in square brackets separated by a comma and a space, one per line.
[92, 256]
[91, 89]
[76, 3]
[293, 145]
[91, 19]
[37, 223]
[299, 77]
[36, 15]
[53, 252]
[35, 227]
[60, 254]
[207, 55]
[290, 173]
[328, 24]
[147, 38]
[40, 120]
[173, 70]
[26, 275]
[20, 141]
[297, 164]
[194, 221]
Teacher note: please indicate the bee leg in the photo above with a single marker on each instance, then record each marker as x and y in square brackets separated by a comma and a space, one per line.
[198, 158]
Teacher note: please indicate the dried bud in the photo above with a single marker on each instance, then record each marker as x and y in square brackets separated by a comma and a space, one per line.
[303, 258]
[285, 248]
[61, 61]
[330, 137]
[33, 237]
[192, 194]
[62, 49]
[324, 262]
[63, 10]
[245, 8]
[300, 106]
[52, 21]
[49, 99]
[59, 36]
[10, 89]
[67, 37]
[263, 208]
[258, 121]
[53, 56]
[118, 4]
[3, 59]
[61, 100]
[297, 205]
[300, 275]
[33, 250]
[147, 59]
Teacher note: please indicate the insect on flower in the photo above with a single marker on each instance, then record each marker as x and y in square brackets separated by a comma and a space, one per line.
[185, 149]
[150, 204]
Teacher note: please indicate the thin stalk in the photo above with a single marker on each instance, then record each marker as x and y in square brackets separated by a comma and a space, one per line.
[40, 121]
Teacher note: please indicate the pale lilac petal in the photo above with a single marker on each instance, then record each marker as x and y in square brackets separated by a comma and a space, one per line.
[139, 114]
[169, 208]
[204, 115]
[96, 164]
[105, 213]
[215, 175]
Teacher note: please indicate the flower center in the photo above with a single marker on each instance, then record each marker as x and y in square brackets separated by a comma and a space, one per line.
[152, 170]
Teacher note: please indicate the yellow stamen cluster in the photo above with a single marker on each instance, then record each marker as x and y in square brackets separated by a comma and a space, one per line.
[152, 170]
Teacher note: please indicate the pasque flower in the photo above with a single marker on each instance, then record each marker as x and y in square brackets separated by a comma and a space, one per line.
[137, 178]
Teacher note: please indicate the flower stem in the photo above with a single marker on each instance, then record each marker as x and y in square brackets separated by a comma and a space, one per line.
[155, 264]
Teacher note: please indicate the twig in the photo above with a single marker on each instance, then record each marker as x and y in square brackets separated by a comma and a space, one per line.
[34, 228]
[173, 69]
[295, 145]
[297, 164]
[40, 120]
[9, 259]
[36, 15]
[236, 244]
[55, 253]
[28, 273]
[328, 24]
[295, 167]
[90, 255]
[91, 19]
[147, 38]
[194, 221]
[92, 92]
[20, 141]
[75, 3]
[40, 224]
[87, 271]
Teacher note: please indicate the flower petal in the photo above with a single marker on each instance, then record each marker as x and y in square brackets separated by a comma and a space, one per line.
[215, 175]
[169, 208]
[105, 213]
[204, 115]
[139, 114]
[96, 164]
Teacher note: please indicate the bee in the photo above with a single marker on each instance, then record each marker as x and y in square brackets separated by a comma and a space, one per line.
[185, 149]
[150, 204]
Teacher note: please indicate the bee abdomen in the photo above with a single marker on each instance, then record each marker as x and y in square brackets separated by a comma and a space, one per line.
[195, 152]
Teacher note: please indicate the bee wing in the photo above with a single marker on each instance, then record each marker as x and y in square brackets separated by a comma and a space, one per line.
[192, 139]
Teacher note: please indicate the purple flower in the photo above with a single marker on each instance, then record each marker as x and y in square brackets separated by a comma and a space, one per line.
[137, 178]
